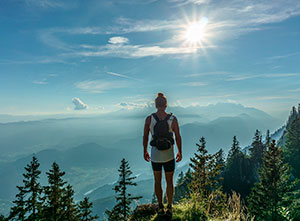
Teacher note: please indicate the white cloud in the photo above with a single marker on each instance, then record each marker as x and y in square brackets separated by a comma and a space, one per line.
[195, 84]
[79, 105]
[227, 20]
[133, 105]
[184, 2]
[131, 51]
[45, 3]
[100, 86]
[250, 76]
[118, 40]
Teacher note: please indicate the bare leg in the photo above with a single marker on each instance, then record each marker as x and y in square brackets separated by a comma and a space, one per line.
[170, 186]
[157, 186]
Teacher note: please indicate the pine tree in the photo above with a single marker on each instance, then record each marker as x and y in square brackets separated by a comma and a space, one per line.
[54, 193]
[70, 210]
[235, 149]
[271, 193]
[237, 176]
[32, 190]
[2, 218]
[122, 210]
[205, 171]
[18, 211]
[182, 189]
[85, 210]
[268, 140]
[220, 159]
[292, 146]
[257, 149]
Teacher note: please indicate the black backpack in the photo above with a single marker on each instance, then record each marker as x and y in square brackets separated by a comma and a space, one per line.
[162, 137]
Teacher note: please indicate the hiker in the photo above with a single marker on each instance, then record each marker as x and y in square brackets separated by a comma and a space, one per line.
[162, 125]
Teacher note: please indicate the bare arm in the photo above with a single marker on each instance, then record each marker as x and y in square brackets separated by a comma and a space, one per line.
[175, 128]
[146, 138]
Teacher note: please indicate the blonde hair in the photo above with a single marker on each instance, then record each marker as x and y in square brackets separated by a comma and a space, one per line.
[161, 100]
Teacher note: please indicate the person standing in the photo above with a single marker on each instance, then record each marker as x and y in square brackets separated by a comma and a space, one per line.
[162, 126]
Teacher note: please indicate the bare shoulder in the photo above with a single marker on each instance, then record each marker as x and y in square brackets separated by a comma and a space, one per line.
[148, 120]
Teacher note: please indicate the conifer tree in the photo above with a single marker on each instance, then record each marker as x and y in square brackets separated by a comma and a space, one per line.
[237, 176]
[85, 210]
[54, 193]
[18, 212]
[268, 139]
[257, 149]
[32, 190]
[220, 159]
[292, 146]
[271, 193]
[70, 210]
[205, 171]
[2, 218]
[182, 189]
[122, 210]
[235, 149]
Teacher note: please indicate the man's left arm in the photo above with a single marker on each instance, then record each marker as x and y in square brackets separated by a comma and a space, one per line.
[175, 128]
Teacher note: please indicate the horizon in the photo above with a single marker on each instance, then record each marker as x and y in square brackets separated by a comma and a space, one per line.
[68, 57]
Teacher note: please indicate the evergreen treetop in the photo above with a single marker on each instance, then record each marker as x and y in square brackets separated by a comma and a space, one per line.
[122, 210]
[271, 193]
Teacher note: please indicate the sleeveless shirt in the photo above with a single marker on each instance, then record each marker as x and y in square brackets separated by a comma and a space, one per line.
[161, 156]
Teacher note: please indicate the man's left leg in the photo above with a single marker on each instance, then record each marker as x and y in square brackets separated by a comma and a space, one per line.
[170, 186]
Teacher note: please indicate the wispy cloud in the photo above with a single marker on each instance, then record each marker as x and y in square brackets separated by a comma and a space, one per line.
[195, 84]
[250, 76]
[121, 75]
[45, 3]
[207, 74]
[279, 97]
[131, 51]
[134, 105]
[41, 82]
[100, 86]
[227, 19]
[283, 56]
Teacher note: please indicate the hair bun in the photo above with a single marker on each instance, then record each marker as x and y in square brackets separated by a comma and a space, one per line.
[160, 94]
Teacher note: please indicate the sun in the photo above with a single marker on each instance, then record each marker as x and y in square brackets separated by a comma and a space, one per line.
[195, 32]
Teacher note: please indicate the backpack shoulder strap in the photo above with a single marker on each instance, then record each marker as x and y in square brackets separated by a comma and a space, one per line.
[168, 116]
[155, 117]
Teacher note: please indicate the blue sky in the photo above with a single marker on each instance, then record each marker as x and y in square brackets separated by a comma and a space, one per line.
[72, 56]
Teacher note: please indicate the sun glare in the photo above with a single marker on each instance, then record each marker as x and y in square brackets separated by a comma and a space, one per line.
[195, 32]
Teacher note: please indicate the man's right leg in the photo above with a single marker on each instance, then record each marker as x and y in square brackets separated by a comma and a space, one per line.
[157, 186]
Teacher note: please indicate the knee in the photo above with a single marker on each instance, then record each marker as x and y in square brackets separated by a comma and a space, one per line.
[170, 184]
[157, 183]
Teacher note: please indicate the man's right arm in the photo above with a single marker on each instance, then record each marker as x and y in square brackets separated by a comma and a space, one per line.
[146, 138]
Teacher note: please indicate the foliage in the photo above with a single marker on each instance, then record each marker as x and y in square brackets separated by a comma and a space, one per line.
[237, 175]
[52, 202]
[28, 204]
[122, 210]
[54, 194]
[2, 218]
[85, 210]
[271, 193]
[292, 146]
[182, 187]
[206, 170]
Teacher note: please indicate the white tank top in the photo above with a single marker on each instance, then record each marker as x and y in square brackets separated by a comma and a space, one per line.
[161, 156]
